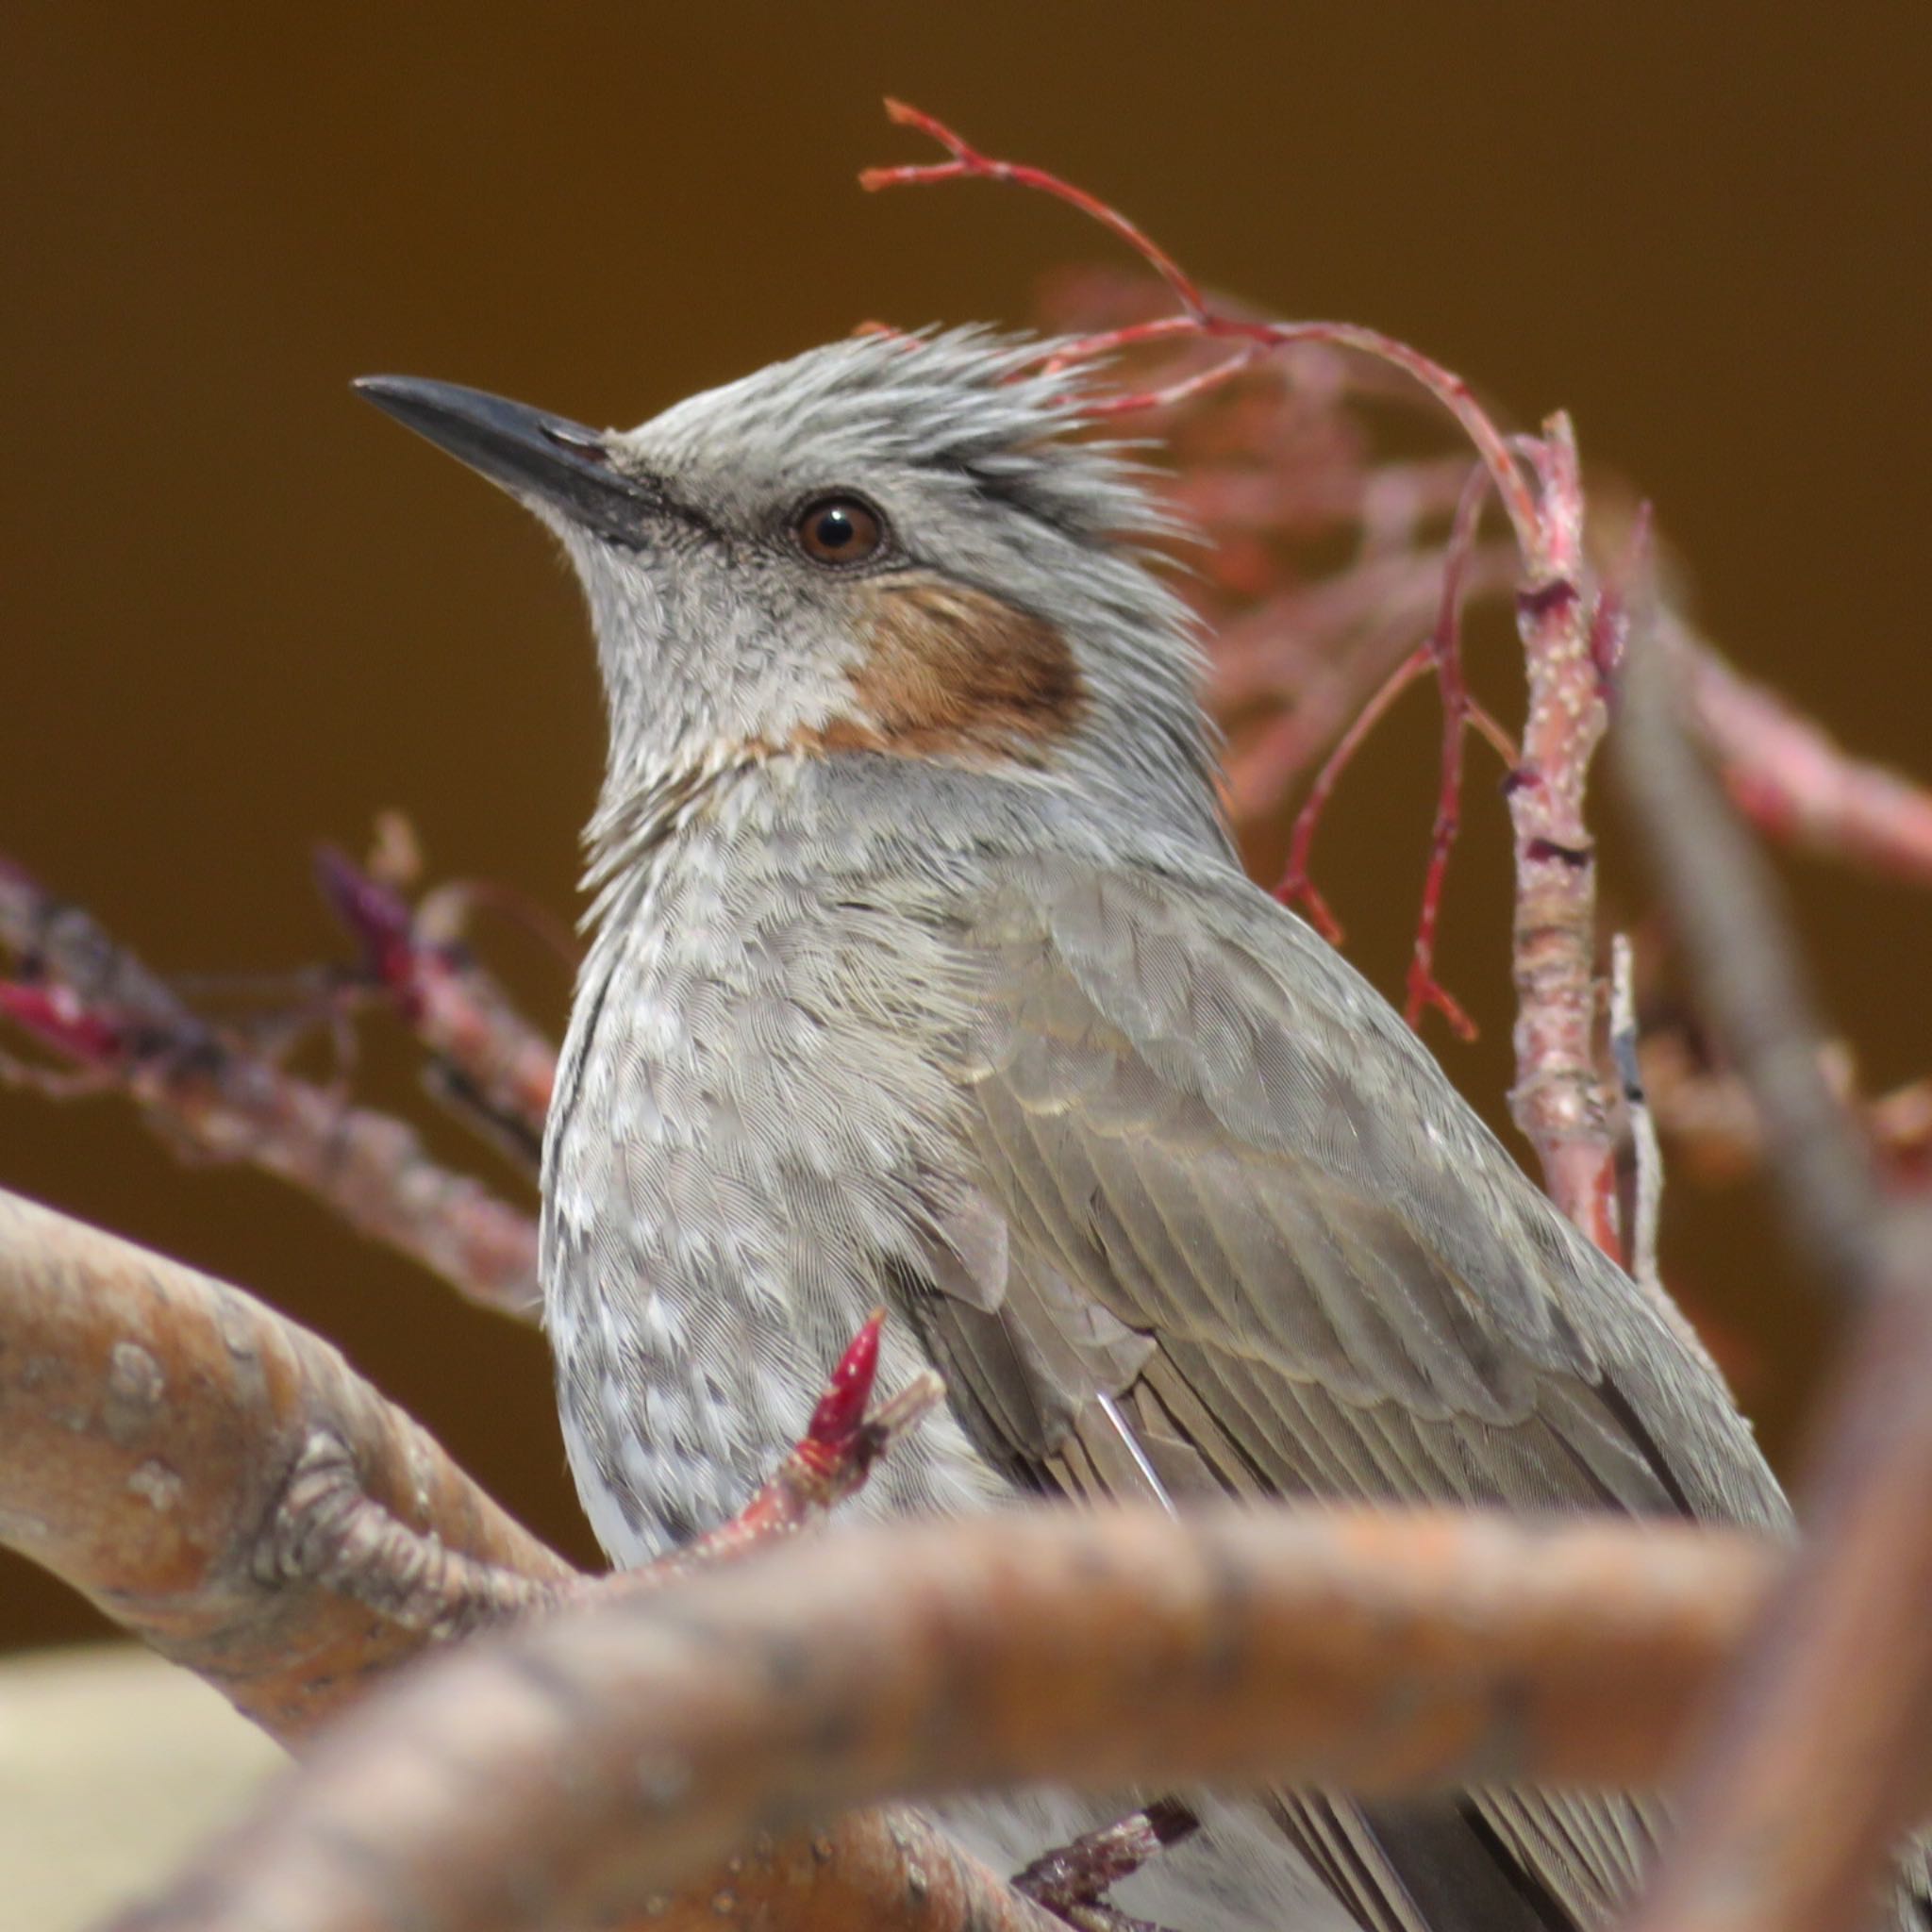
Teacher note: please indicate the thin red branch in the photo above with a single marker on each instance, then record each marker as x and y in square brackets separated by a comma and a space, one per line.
[1445, 653]
[490, 1063]
[1442, 653]
[56, 1017]
[841, 1445]
[1200, 319]
[1558, 1099]
[89, 997]
[969, 161]
[1296, 887]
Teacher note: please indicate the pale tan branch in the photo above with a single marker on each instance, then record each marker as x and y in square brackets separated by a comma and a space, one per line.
[153, 1422]
[578, 1767]
[1560, 1101]
[221, 1483]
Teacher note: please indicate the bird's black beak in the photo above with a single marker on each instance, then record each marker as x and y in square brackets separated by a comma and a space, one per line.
[536, 457]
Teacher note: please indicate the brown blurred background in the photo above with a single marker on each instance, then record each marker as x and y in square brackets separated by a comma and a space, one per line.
[245, 613]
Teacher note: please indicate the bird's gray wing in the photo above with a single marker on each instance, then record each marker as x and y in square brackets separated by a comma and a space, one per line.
[1231, 1231]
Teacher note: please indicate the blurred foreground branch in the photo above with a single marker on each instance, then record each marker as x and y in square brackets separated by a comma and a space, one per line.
[1814, 1764]
[161, 1427]
[573, 1769]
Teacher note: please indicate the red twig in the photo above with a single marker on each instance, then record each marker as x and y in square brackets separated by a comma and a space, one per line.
[1296, 887]
[489, 1060]
[94, 1003]
[839, 1450]
[1201, 320]
[1445, 653]
[968, 161]
[57, 1019]
[329, 1529]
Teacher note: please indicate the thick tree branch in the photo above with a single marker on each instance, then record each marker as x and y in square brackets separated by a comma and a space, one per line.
[156, 1423]
[163, 1438]
[573, 1768]
[221, 1483]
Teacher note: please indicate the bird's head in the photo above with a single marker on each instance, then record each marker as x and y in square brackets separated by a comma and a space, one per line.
[886, 548]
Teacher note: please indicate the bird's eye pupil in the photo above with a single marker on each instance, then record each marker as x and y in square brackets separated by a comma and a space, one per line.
[838, 529]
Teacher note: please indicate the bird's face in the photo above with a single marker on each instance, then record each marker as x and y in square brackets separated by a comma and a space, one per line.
[885, 546]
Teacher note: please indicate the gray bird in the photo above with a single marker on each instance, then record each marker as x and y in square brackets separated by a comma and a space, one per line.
[924, 972]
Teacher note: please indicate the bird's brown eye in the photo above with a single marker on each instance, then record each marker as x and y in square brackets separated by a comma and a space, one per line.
[839, 530]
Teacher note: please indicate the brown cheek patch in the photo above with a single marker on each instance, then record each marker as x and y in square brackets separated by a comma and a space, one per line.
[953, 671]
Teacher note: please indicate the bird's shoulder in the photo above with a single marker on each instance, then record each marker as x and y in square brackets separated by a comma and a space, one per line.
[1195, 1125]
[1176, 1016]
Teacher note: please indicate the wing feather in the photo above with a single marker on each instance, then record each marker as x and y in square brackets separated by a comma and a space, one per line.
[1192, 1116]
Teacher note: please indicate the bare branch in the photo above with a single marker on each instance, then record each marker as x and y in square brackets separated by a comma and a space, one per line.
[157, 1424]
[489, 1064]
[91, 1000]
[1297, 885]
[576, 1767]
[1559, 1100]
[1727, 909]
[222, 1485]
[1794, 782]
[1445, 650]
